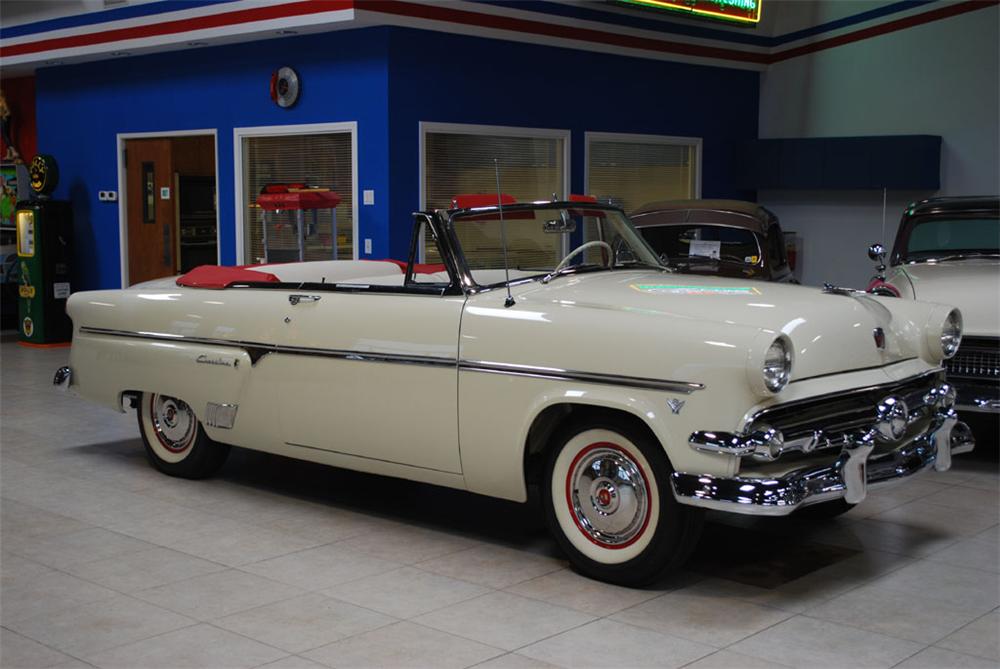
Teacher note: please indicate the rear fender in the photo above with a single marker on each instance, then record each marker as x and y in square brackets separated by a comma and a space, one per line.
[105, 367]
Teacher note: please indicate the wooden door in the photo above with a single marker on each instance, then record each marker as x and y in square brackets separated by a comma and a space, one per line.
[151, 223]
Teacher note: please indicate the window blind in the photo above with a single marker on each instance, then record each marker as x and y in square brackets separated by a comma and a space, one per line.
[531, 168]
[322, 160]
[630, 174]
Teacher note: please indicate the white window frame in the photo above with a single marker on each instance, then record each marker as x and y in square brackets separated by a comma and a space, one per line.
[630, 138]
[239, 134]
[120, 140]
[425, 127]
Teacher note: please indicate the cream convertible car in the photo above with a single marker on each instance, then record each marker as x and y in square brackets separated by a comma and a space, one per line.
[632, 396]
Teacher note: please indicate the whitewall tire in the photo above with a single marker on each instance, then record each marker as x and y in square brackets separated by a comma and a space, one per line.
[609, 505]
[176, 443]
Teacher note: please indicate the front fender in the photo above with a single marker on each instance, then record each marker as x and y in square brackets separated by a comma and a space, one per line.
[497, 413]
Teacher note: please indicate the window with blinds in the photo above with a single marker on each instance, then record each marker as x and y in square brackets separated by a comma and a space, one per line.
[631, 173]
[320, 160]
[531, 168]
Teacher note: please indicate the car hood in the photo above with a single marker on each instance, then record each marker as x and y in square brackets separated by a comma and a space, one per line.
[972, 285]
[830, 333]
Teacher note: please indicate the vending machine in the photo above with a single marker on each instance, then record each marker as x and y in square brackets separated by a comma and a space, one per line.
[44, 240]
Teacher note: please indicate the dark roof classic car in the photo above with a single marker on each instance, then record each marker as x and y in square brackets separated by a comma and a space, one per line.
[947, 250]
[716, 237]
[969, 207]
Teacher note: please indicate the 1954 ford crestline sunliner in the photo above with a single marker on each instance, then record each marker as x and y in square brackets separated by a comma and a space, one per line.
[632, 396]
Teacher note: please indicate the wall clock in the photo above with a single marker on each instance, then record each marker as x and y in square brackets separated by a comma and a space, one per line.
[285, 87]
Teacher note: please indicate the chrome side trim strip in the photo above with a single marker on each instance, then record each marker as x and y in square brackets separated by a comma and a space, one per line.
[256, 349]
[556, 374]
[851, 371]
[261, 348]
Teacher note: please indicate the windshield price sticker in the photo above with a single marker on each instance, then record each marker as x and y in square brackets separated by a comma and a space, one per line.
[694, 290]
[705, 249]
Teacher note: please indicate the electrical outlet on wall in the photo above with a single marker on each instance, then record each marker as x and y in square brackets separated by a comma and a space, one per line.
[369, 197]
[368, 247]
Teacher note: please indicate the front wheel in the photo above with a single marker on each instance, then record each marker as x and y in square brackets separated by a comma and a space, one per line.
[176, 443]
[609, 505]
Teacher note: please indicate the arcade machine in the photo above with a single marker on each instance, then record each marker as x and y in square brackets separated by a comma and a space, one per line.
[44, 235]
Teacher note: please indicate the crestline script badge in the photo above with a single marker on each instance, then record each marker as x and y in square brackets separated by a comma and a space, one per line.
[222, 362]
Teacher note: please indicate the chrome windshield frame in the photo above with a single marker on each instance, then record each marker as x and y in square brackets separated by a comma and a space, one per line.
[452, 246]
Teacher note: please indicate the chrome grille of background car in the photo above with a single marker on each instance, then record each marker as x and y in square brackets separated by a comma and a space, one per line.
[842, 414]
[977, 358]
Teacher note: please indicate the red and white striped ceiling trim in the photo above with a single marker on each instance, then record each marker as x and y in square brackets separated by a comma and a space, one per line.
[248, 20]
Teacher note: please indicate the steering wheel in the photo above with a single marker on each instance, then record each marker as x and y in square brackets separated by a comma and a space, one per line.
[583, 247]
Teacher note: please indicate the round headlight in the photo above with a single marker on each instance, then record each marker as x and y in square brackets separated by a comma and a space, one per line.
[777, 365]
[951, 333]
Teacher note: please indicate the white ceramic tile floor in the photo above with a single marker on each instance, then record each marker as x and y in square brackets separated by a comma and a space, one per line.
[287, 565]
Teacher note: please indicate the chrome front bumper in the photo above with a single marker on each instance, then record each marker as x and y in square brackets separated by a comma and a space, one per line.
[848, 477]
[978, 396]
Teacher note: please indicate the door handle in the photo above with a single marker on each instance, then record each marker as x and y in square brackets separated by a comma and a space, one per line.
[295, 299]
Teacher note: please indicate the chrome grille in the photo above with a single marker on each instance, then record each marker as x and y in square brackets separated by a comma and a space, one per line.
[977, 358]
[840, 415]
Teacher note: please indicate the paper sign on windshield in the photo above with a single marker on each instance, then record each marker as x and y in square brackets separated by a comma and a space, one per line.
[704, 249]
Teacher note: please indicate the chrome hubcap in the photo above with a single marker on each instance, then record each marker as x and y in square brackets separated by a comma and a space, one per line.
[609, 496]
[173, 422]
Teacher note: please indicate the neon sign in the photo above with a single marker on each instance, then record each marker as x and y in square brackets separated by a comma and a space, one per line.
[740, 11]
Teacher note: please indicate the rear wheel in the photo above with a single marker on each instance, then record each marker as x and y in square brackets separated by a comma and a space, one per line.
[176, 443]
[609, 505]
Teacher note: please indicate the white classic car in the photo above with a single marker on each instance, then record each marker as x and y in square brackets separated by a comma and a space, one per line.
[948, 250]
[548, 348]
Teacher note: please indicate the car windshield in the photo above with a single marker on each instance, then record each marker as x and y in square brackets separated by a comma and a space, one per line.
[540, 239]
[685, 243]
[952, 238]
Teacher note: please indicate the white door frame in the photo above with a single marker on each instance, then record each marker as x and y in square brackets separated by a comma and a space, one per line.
[302, 129]
[630, 138]
[121, 138]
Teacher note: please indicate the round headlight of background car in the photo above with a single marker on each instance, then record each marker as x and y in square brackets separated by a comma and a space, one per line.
[943, 332]
[951, 334]
[777, 365]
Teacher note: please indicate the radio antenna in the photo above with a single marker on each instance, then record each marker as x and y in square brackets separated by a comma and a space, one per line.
[509, 302]
[885, 195]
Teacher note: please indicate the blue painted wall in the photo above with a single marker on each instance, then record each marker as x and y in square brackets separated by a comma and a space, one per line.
[449, 78]
[81, 108]
[388, 80]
